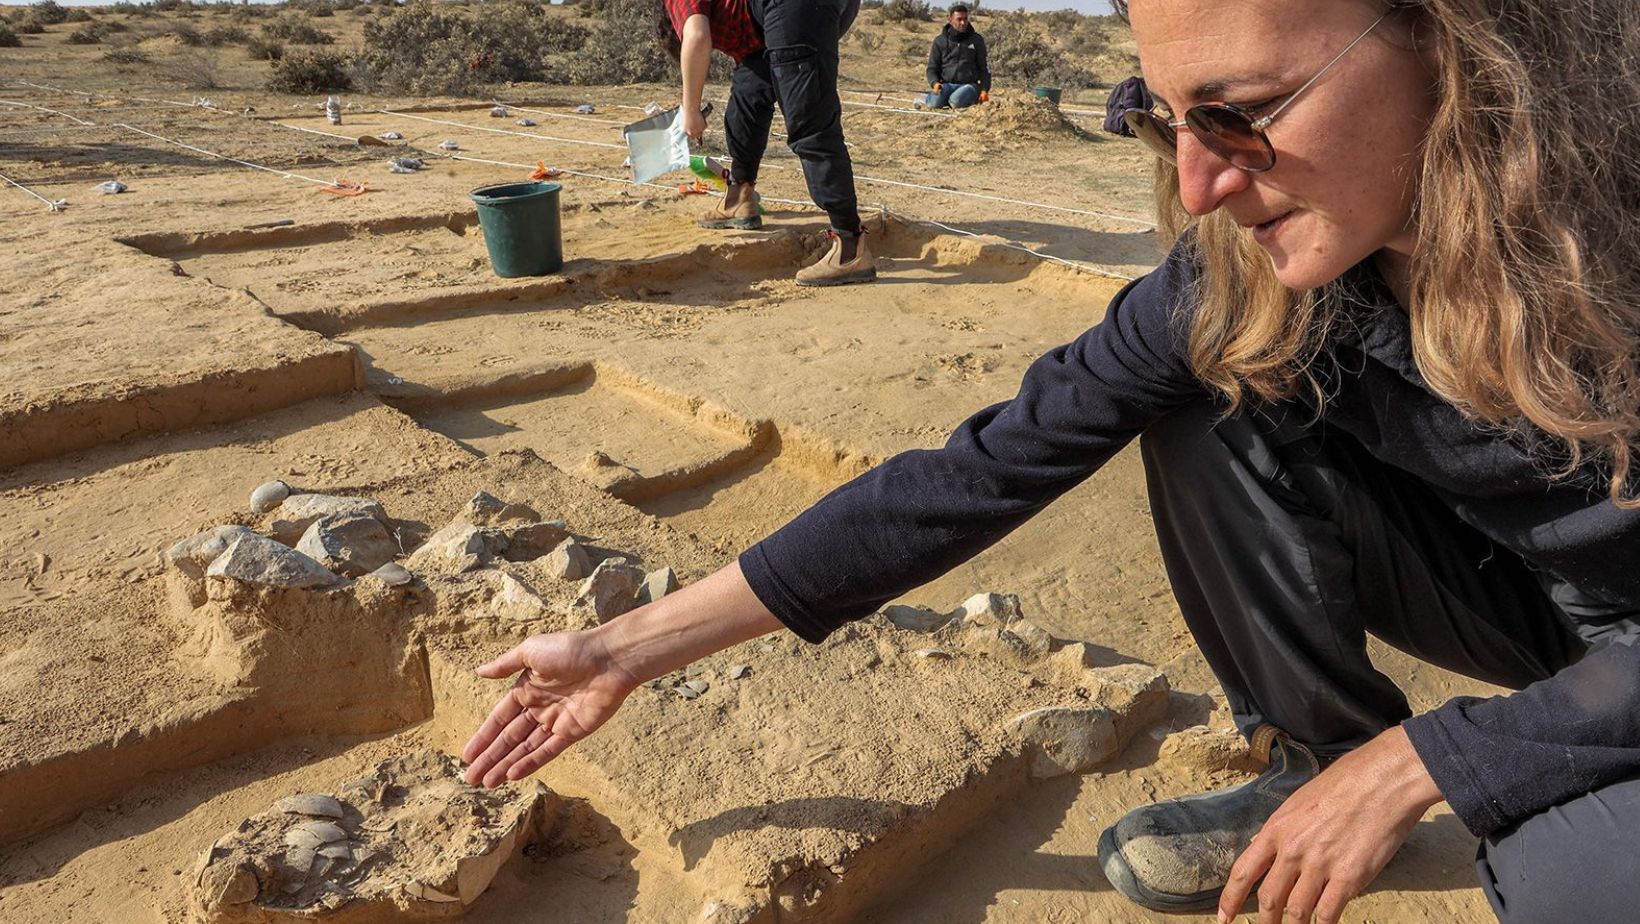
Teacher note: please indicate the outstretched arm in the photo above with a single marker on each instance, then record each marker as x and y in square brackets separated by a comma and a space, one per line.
[569, 684]
[695, 59]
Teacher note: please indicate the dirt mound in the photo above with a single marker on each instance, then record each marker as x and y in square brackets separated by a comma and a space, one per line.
[407, 837]
[1010, 121]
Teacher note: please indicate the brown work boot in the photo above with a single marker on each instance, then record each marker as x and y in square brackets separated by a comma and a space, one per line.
[744, 215]
[1176, 855]
[832, 271]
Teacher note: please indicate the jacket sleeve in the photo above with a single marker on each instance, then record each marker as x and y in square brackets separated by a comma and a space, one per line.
[935, 59]
[924, 512]
[984, 62]
[1502, 759]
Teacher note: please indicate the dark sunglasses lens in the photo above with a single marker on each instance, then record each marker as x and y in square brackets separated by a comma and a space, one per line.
[1230, 134]
[1154, 131]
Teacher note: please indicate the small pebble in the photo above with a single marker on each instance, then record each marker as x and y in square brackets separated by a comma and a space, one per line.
[738, 671]
[694, 688]
[268, 495]
[939, 654]
[393, 574]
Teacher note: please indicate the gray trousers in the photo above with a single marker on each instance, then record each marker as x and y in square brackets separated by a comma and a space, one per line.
[1286, 543]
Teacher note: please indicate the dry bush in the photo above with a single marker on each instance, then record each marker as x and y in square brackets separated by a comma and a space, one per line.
[197, 69]
[78, 14]
[28, 24]
[132, 9]
[905, 11]
[261, 49]
[171, 6]
[227, 35]
[428, 48]
[85, 35]
[292, 30]
[125, 54]
[310, 70]
[8, 37]
[622, 46]
[188, 36]
[1021, 51]
[49, 12]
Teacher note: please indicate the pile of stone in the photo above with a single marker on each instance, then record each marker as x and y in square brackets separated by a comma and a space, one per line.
[318, 542]
[1072, 738]
[408, 840]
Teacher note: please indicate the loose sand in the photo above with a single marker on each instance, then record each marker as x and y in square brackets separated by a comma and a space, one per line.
[163, 356]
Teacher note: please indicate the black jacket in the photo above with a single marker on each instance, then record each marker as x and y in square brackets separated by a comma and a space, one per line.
[922, 513]
[959, 57]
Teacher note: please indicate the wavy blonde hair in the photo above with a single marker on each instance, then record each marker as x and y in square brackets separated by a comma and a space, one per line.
[1525, 289]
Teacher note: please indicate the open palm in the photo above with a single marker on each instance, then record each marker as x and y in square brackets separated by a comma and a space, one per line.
[567, 687]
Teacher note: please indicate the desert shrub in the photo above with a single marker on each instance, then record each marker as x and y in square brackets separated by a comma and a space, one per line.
[8, 36]
[171, 6]
[132, 9]
[1022, 52]
[78, 15]
[197, 69]
[125, 54]
[621, 46]
[431, 48]
[310, 70]
[28, 24]
[110, 26]
[85, 35]
[188, 36]
[293, 31]
[261, 49]
[49, 12]
[905, 10]
[227, 35]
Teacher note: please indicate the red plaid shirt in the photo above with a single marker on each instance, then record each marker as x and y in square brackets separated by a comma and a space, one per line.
[733, 31]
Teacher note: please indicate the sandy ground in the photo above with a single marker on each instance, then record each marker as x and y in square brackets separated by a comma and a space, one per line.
[163, 355]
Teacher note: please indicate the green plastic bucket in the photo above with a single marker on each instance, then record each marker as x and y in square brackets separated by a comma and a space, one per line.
[521, 228]
[1050, 94]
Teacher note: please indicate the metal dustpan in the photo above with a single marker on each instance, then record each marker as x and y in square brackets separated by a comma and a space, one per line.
[657, 145]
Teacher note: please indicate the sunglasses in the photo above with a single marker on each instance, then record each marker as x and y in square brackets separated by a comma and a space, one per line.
[1228, 132]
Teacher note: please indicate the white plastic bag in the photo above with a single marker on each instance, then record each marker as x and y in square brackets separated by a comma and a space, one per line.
[657, 145]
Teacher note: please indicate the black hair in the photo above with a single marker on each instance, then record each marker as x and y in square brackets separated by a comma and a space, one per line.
[957, 8]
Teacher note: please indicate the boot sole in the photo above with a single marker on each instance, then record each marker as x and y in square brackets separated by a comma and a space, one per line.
[737, 224]
[840, 280]
[1122, 879]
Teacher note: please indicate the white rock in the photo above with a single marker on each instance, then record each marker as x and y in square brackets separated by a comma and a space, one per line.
[915, 618]
[319, 806]
[988, 610]
[455, 548]
[1063, 740]
[656, 584]
[698, 685]
[393, 574]
[314, 834]
[513, 601]
[349, 544]
[569, 561]
[934, 654]
[299, 511]
[739, 671]
[524, 541]
[1032, 637]
[193, 555]
[268, 495]
[610, 589]
[257, 559]
[485, 509]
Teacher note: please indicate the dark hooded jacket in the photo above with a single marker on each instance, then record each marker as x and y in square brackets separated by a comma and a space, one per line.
[959, 57]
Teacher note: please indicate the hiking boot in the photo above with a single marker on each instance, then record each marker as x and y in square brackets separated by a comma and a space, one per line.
[744, 216]
[1176, 855]
[832, 271]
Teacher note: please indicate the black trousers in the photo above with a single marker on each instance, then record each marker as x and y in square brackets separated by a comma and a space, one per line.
[797, 69]
[1286, 543]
